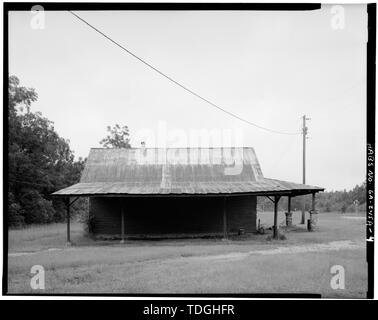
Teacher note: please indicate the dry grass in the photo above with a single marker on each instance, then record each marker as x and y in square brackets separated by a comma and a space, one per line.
[40, 237]
[191, 266]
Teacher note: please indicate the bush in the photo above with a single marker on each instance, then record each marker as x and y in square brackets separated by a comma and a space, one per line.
[60, 210]
[78, 210]
[36, 208]
[281, 236]
[90, 223]
[15, 212]
[361, 208]
[15, 215]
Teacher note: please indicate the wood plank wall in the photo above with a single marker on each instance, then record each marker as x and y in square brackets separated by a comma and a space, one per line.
[161, 216]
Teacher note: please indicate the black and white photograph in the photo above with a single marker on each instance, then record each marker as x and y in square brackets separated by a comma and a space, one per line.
[189, 150]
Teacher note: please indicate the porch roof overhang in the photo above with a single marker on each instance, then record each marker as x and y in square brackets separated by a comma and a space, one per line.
[261, 187]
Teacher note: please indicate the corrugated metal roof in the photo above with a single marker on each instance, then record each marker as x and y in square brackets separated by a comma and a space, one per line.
[176, 171]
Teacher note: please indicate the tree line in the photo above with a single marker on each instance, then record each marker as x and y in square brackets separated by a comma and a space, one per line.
[39, 161]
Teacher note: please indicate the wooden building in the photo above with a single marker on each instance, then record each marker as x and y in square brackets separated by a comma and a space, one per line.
[157, 192]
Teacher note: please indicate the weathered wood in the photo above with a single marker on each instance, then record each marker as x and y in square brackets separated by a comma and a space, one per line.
[275, 228]
[289, 214]
[304, 133]
[173, 215]
[68, 217]
[312, 221]
[183, 195]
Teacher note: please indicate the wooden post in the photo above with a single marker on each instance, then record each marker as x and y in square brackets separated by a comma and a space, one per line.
[304, 133]
[289, 215]
[275, 229]
[122, 223]
[312, 221]
[68, 205]
[224, 218]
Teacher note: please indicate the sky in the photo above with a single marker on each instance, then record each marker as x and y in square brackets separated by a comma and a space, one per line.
[269, 68]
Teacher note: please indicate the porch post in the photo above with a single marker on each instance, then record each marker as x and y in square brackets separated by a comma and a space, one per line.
[289, 214]
[68, 205]
[313, 202]
[122, 223]
[313, 214]
[224, 218]
[275, 228]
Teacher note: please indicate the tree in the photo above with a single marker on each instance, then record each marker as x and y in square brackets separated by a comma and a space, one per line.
[118, 137]
[40, 161]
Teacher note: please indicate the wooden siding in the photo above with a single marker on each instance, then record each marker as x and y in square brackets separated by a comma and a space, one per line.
[172, 216]
[241, 213]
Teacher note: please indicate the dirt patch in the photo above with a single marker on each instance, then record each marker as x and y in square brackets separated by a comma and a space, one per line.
[29, 253]
[334, 245]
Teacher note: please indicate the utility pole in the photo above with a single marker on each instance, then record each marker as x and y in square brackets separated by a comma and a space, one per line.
[304, 134]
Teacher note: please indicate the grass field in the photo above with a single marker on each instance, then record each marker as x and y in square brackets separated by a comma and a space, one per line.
[249, 264]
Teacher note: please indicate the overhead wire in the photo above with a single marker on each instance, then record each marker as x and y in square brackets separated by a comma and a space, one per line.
[178, 83]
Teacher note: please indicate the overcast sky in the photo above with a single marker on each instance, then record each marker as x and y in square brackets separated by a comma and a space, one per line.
[269, 68]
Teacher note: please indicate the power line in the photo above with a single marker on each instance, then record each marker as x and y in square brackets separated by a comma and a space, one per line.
[178, 83]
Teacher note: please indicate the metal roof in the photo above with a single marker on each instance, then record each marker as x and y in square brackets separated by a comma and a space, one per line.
[177, 171]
